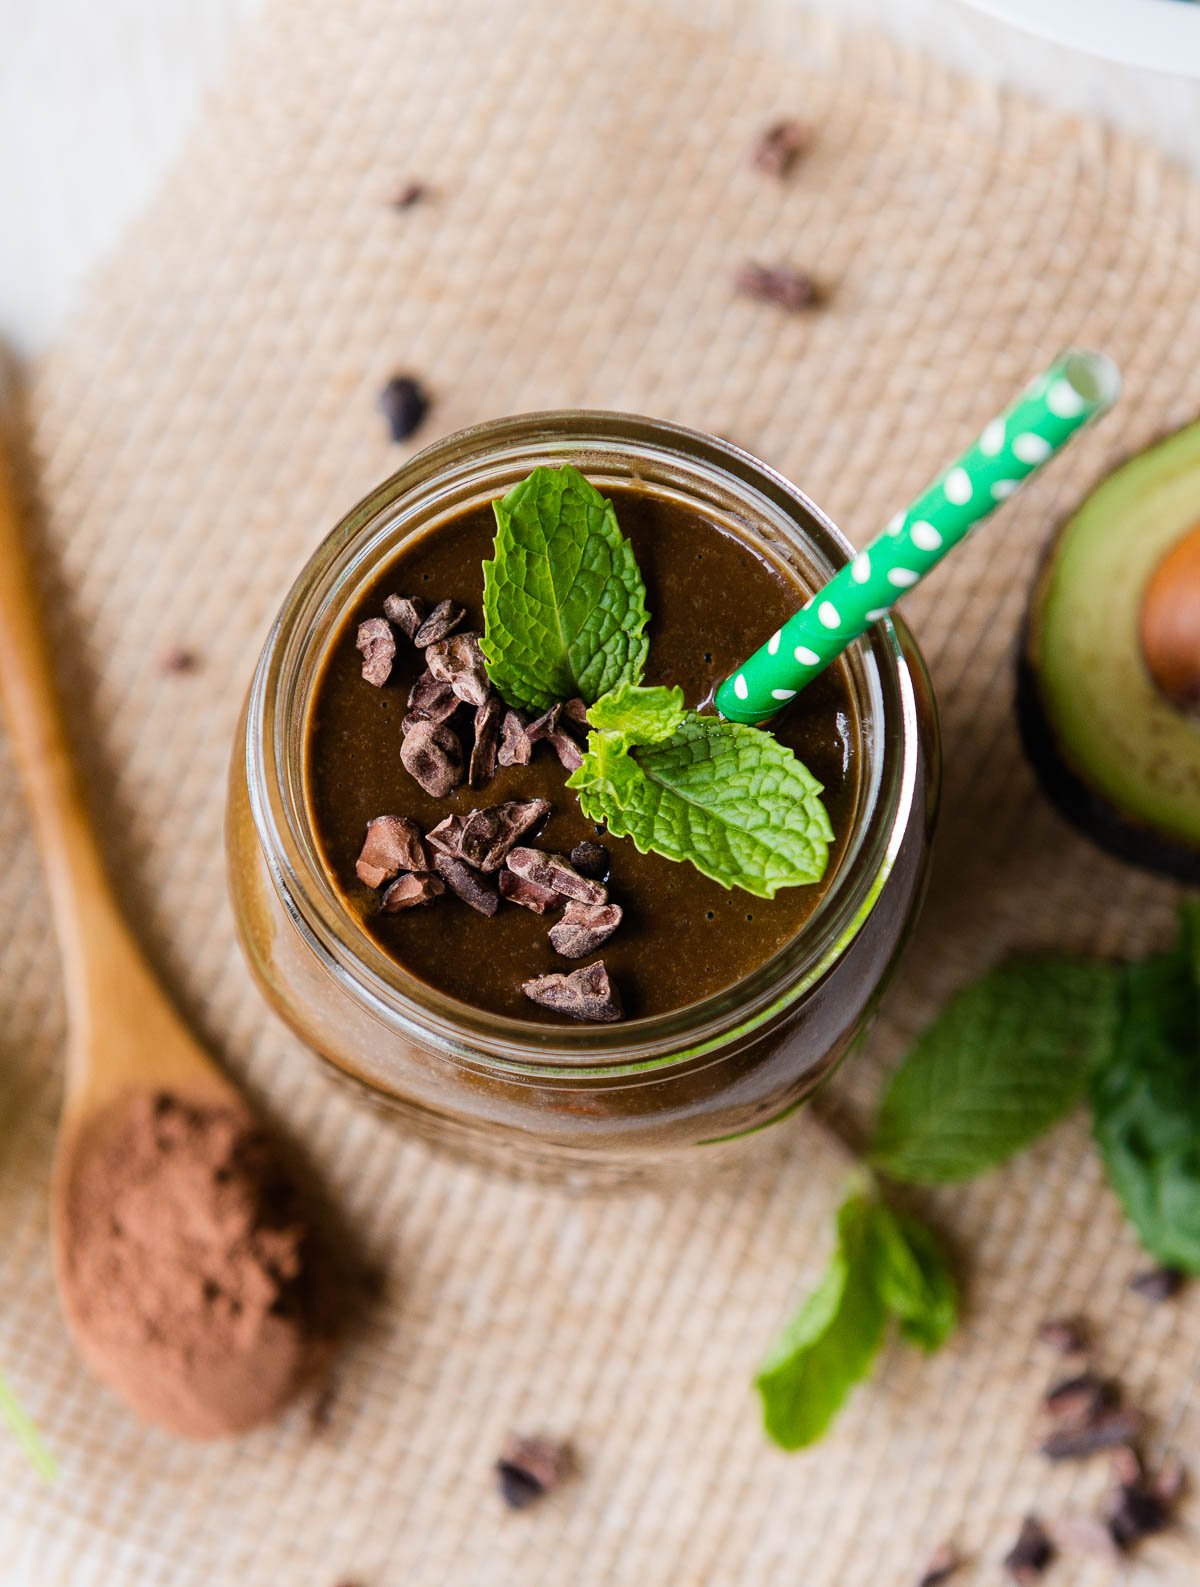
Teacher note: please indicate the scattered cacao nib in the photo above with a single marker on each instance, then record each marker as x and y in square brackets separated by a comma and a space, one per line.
[177, 659]
[942, 1565]
[404, 405]
[432, 754]
[543, 726]
[556, 871]
[779, 146]
[406, 611]
[1126, 1464]
[780, 285]
[1079, 1400]
[446, 837]
[458, 661]
[1158, 1283]
[442, 621]
[529, 1468]
[515, 746]
[568, 751]
[378, 646]
[1105, 1431]
[1170, 1480]
[1031, 1554]
[488, 836]
[472, 888]
[528, 894]
[1134, 1512]
[410, 194]
[487, 742]
[576, 711]
[407, 891]
[1067, 1335]
[584, 994]
[392, 844]
[591, 860]
[583, 928]
[1085, 1534]
[430, 697]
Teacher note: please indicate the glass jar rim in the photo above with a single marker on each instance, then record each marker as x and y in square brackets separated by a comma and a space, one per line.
[275, 773]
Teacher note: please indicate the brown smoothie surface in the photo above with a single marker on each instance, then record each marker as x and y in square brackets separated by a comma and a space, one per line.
[712, 601]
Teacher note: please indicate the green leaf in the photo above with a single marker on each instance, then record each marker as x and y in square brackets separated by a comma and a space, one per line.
[915, 1281]
[563, 601]
[1146, 1106]
[1004, 1060]
[638, 715]
[831, 1342]
[731, 799]
[26, 1434]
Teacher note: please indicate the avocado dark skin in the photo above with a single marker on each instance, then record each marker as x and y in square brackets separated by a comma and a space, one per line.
[1117, 757]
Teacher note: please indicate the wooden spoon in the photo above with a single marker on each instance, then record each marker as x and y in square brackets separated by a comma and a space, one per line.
[124, 1036]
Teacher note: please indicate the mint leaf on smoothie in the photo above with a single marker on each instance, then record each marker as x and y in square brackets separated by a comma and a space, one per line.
[832, 1340]
[730, 799]
[1146, 1107]
[564, 604]
[1004, 1060]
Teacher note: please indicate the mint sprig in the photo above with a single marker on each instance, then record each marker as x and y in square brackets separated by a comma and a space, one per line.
[1004, 1060]
[563, 600]
[731, 799]
[1145, 1099]
[883, 1264]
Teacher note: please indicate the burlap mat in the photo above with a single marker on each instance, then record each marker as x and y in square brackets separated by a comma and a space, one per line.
[211, 413]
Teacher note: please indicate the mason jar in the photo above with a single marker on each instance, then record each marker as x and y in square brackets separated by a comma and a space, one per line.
[650, 1093]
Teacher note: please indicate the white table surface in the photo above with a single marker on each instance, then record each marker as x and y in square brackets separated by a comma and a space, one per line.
[96, 98]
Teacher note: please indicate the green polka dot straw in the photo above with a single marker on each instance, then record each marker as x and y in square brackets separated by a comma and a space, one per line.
[1079, 387]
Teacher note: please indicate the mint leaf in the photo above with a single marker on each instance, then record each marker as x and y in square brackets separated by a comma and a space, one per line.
[915, 1281]
[26, 1434]
[1002, 1062]
[638, 715]
[1146, 1106]
[563, 601]
[729, 798]
[831, 1342]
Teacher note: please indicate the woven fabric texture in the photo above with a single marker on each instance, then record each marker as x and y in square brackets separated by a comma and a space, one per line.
[206, 419]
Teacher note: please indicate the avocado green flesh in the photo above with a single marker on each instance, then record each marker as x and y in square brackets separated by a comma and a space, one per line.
[1110, 722]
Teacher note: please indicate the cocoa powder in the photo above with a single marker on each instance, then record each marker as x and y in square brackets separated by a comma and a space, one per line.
[190, 1278]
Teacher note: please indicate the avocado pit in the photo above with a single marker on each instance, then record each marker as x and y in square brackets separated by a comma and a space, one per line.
[1169, 623]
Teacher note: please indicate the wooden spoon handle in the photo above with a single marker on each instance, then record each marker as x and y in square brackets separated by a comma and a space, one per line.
[99, 955]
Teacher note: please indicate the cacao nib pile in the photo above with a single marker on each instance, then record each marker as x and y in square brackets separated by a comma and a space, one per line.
[457, 728]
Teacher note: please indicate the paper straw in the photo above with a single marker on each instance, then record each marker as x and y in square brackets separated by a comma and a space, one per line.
[1075, 389]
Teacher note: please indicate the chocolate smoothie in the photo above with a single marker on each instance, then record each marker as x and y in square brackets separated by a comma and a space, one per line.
[682, 937]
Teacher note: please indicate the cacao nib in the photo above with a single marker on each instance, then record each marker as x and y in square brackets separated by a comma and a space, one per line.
[528, 894]
[576, 711]
[1105, 1431]
[1080, 1399]
[403, 404]
[548, 726]
[378, 646]
[1158, 1284]
[442, 620]
[446, 837]
[1134, 1512]
[1170, 1480]
[393, 844]
[779, 146]
[458, 661]
[1067, 1335]
[583, 928]
[472, 888]
[568, 751]
[529, 1468]
[591, 860]
[432, 754]
[489, 835]
[516, 747]
[942, 1564]
[584, 994]
[487, 742]
[430, 697]
[780, 285]
[1031, 1554]
[406, 611]
[556, 871]
[410, 194]
[176, 658]
[406, 892]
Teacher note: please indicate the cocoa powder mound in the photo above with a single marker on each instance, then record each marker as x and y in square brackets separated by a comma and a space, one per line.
[190, 1274]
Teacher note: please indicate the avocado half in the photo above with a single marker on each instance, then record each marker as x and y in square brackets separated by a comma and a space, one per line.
[1118, 758]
